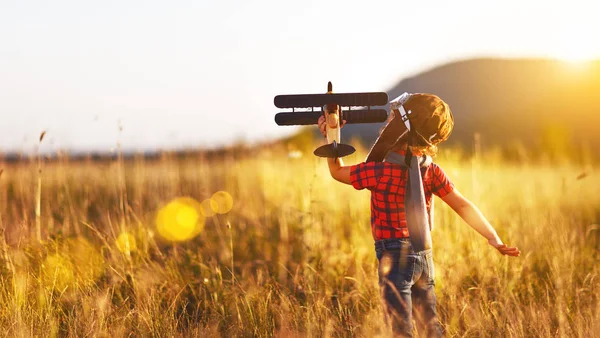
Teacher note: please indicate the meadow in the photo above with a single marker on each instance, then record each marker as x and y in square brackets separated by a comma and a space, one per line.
[81, 255]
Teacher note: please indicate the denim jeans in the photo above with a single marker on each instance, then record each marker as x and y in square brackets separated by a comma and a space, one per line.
[406, 281]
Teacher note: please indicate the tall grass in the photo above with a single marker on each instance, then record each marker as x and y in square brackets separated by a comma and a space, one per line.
[295, 255]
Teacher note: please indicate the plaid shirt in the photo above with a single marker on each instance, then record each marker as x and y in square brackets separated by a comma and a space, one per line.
[387, 182]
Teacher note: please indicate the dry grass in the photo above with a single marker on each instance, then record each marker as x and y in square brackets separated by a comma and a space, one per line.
[299, 245]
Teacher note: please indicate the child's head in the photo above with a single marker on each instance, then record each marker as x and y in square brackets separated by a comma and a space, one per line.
[431, 123]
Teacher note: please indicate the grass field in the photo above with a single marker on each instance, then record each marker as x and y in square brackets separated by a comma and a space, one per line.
[294, 257]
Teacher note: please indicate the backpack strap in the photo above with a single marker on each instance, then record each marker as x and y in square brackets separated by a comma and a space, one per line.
[418, 220]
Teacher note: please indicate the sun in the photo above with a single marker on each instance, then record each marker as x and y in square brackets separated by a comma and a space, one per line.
[577, 57]
[576, 51]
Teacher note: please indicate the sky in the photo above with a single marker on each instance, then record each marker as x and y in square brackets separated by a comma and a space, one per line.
[153, 75]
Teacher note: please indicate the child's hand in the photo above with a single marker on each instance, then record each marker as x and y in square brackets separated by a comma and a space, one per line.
[321, 123]
[503, 248]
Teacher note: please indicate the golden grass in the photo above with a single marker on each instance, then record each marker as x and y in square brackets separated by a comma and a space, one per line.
[294, 257]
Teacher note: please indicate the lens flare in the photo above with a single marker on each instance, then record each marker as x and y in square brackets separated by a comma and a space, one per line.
[180, 220]
[87, 261]
[208, 207]
[57, 272]
[221, 202]
[385, 265]
[126, 243]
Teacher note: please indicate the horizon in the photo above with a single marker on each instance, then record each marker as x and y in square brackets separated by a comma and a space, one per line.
[46, 147]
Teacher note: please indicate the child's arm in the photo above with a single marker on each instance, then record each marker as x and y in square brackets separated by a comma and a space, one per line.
[338, 171]
[473, 216]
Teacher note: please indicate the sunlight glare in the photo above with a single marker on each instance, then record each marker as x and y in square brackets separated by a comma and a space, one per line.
[221, 202]
[126, 243]
[57, 272]
[385, 265]
[87, 261]
[576, 59]
[180, 220]
[571, 49]
[208, 207]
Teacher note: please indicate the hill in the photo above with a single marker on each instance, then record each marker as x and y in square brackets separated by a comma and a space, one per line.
[535, 102]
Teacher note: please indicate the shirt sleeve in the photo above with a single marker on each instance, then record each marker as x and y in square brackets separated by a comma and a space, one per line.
[441, 185]
[364, 175]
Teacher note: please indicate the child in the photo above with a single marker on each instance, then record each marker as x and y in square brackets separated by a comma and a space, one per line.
[402, 179]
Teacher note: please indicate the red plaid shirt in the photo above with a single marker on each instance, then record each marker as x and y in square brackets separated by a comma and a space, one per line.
[387, 182]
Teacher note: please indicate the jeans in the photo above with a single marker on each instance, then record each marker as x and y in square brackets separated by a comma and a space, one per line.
[406, 281]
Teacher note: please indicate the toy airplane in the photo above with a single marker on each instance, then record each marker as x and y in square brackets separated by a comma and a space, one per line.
[332, 108]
